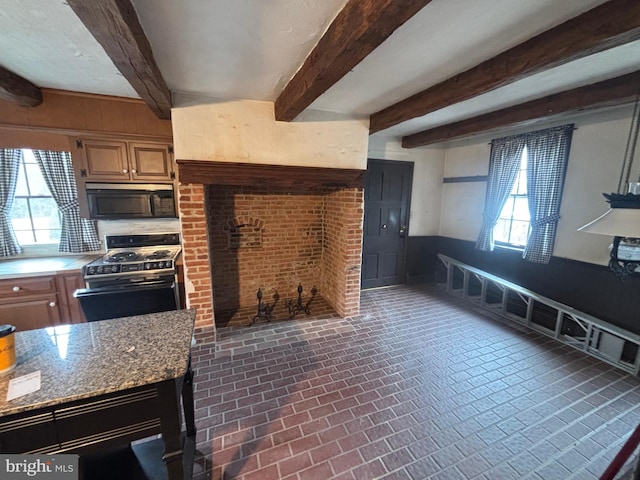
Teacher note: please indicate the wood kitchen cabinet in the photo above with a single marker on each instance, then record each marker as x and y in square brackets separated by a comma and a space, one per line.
[29, 302]
[70, 309]
[41, 301]
[110, 160]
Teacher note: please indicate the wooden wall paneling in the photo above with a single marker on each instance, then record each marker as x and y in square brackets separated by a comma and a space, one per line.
[17, 138]
[13, 114]
[78, 113]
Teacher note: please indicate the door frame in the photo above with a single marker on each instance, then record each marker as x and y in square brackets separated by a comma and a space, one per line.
[403, 259]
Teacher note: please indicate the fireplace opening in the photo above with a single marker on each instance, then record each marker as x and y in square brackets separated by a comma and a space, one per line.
[273, 239]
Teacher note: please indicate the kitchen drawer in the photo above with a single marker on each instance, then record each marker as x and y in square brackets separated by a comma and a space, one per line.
[28, 433]
[113, 419]
[27, 286]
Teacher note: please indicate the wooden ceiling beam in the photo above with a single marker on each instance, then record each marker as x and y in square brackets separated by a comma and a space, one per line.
[356, 31]
[607, 93]
[16, 89]
[115, 25]
[609, 25]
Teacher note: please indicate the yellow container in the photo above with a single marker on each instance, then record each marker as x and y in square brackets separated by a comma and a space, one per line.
[7, 348]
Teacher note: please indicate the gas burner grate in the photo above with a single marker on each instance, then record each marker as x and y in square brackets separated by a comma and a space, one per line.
[121, 257]
[157, 255]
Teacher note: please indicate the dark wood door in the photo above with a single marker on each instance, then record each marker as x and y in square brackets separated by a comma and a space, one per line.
[387, 193]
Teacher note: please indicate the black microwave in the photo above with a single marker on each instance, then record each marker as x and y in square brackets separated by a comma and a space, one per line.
[127, 200]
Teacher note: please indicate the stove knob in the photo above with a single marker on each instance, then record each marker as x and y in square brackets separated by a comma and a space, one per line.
[100, 269]
[114, 269]
[147, 266]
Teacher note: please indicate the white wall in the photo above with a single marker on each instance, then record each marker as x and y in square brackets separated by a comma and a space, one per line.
[244, 131]
[426, 191]
[462, 203]
[594, 165]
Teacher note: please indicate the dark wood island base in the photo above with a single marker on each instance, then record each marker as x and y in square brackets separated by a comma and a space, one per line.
[100, 426]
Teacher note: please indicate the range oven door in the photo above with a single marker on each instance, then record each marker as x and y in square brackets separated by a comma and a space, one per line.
[126, 299]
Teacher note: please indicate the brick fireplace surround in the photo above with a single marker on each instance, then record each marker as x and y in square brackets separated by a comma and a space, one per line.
[297, 234]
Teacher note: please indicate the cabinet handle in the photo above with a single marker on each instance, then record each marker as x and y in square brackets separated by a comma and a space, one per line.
[52, 304]
[124, 170]
[133, 170]
[16, 289]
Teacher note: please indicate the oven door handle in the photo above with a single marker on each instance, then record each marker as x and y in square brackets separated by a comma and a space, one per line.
[109, 289]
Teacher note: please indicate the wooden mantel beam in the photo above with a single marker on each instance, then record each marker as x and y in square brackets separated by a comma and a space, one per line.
[207, 172]
[115, 25]
[607, 93]
[16, 89]
[609, 25]
[356, 31]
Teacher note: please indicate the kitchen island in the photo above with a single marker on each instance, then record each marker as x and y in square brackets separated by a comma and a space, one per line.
[103, 385]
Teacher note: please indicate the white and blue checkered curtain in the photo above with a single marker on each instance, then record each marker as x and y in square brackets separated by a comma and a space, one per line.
[504, 165]
[547, 152]
[78, 234]
[10, 165]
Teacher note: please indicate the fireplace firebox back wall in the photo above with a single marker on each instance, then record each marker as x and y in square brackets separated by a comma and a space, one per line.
[276, 238]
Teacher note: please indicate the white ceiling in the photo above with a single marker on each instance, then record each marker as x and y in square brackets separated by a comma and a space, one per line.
[251, 48]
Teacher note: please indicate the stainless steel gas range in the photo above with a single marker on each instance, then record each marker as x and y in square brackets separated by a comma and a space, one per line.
[136, 275]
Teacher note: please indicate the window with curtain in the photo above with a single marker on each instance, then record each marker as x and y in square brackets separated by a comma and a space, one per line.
[512, 227]
[529, 170]
[39, 203]
[34, 214]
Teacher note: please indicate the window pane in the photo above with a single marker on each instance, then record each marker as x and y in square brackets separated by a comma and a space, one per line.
[47, 236]
[21, 184]
[507, 210]
[519, 233]
[37, 185]
[19, 209]
[25, 237]
[521, 183]
[521, 209]
[45, 213]
[501, 231]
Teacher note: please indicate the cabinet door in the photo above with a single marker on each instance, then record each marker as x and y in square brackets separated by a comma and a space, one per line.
[70, 309]
[150, 162]
[31, 311]
[105, 160]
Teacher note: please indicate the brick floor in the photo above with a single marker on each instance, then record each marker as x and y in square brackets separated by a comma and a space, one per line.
[419, 385]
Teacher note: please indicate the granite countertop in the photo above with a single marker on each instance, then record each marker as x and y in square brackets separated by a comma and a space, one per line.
[29, 267]
[88, 359]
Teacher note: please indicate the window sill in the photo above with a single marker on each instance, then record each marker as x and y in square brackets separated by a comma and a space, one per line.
[44, 251]
[509, 247]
